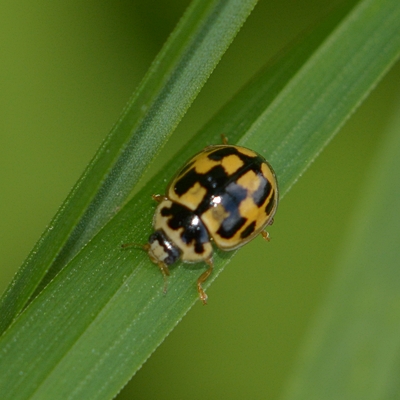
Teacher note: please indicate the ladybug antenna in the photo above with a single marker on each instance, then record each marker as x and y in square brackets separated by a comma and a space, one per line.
[144, 247]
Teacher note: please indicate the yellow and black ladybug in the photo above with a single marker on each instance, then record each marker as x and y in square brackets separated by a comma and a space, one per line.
[225, 194]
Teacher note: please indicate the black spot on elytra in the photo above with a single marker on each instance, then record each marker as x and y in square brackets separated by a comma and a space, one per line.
[223, 152]
[263, 191]
[270, 204]
[186, 167]
[248, 231]
[212, 180]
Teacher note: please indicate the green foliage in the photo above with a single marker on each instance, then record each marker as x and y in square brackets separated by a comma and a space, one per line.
[352, 350]
[167, 90]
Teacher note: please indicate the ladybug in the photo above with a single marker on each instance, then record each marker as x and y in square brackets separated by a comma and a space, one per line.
[224, 195]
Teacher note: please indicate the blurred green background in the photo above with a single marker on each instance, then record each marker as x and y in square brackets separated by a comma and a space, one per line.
[66, 71]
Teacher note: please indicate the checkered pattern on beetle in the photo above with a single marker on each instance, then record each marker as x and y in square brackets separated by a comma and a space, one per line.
[224, 195]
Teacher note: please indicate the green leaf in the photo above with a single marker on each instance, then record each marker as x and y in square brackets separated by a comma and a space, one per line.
[307, 113]
[352, 352]
[104, 314]
[170, 86]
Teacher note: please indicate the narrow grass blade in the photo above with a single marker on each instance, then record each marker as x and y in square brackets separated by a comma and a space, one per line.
[320, 98]
[104, 314]
[171, 84]
[353, 350]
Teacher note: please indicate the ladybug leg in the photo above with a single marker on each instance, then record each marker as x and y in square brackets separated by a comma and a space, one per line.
[203, 277]
[159, 197]
[265, 235]
[165, 271]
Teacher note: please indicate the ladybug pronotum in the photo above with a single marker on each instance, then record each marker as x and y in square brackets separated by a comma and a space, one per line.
[225, 195]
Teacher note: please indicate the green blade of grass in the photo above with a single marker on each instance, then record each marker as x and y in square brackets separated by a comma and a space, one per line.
[102, 316]
[166, 92]
[352, 352]
[327, 90]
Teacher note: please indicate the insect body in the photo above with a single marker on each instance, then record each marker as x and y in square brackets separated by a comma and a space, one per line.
[225, 194]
